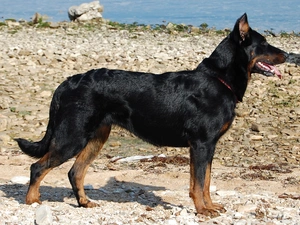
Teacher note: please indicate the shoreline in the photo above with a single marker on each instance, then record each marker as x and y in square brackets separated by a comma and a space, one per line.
[42, 22]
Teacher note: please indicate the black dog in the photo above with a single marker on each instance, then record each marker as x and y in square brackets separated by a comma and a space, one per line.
[183, 109]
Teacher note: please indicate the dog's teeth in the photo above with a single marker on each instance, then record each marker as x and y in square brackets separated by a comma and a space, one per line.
[263, 66]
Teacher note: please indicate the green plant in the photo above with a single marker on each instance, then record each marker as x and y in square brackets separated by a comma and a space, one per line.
[12, 109]
[24, 113]
[284, 34]
[203, 26]
[291, 81]
[12, 31]
[42, 24]
[181, 27]
[12, 20]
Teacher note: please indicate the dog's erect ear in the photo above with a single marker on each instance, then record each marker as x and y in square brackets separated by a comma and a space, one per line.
[243, 26]
[241, 29]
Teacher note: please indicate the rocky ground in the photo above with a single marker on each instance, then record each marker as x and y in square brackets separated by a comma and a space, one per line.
[256, 172]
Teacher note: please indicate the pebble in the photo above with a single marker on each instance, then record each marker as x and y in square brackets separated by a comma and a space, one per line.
[171, 222]
[256, 127]
[20, 180]
[134, 158]
[226, 193]
[4, 138]
[43, 215]
[256, 137]
[88, 187]
[238, 215]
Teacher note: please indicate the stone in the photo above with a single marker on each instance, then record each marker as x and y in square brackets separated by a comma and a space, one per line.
[4, 122]
[85, 11]
[43, 215]
[238, 215]
[20, 180]
[256, 137]
[88, 187]
[24, 52]
[12, 23]
[170, 26]
[248, 208]
[29, 117]
[272, 136]
[115, 144]
[171, 222]
[45, 94]
[256, 127]
[195, 29]
[134, 158]
[4, 138]
[226, 193]
[37, 17]
[296, 110]
[54, 25]
[43, 60]
[213, 188]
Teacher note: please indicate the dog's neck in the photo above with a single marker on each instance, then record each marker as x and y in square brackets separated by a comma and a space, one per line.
[228, 86]
[232, 66]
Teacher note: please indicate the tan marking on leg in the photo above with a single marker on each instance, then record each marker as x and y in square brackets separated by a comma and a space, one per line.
[192, 182]
[201, 195]
[206, 192]
[33, 194]
[81, 165]
[196, 192]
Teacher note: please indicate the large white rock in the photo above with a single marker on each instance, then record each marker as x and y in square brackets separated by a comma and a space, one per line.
[43, 215]
[86, 11]
[20, 180]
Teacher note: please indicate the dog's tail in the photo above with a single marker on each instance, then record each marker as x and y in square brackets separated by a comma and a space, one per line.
[40, 148]
[35, 149]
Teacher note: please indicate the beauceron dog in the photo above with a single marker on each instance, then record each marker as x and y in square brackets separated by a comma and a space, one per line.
[181, 109]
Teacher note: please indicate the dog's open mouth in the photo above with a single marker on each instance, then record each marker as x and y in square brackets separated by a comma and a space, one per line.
[268, 70]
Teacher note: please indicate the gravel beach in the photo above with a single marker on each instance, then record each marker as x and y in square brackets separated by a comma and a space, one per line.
[256, 172]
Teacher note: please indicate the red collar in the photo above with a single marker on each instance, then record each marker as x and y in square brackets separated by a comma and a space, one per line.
[227, 85]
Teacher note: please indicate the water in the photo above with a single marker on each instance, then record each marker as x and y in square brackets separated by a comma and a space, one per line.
[276, 15]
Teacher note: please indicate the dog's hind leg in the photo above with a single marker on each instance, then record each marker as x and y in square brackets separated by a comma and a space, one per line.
[64, 145]
[39, 170]
[200, 169]
[84, 159]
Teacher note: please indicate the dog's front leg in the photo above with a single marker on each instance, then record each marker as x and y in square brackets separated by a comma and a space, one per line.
[200, 169]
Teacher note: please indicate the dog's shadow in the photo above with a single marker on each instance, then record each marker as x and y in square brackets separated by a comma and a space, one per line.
[113, 191]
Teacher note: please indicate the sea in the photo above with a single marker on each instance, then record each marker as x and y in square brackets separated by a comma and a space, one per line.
[273, 15]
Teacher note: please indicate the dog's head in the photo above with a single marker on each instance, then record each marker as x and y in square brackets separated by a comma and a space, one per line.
[261, 56]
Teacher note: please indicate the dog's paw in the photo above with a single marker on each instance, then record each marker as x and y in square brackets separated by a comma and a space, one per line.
[30, 201]
[218, 207]
[89, 204]
[209, 212]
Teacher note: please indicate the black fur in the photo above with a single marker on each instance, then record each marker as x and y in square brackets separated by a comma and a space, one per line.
[182, 109]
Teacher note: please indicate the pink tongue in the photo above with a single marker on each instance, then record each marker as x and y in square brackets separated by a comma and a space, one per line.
[276, 71]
